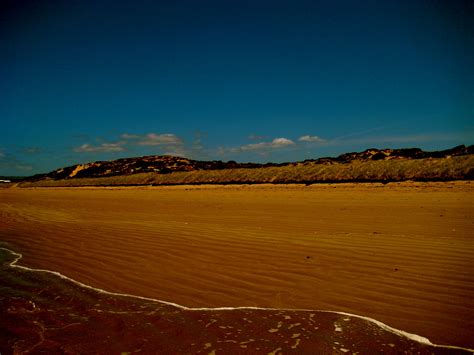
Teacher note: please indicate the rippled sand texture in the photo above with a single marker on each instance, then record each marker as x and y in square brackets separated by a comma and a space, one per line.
[43, 312]
[399, 253]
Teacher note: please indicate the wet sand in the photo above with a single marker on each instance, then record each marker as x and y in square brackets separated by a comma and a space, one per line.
[46, 312]
[399, 253]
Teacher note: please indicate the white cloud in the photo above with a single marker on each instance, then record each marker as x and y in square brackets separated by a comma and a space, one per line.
[277, 143]
[262, 148]
[103, 148]
[311, 139]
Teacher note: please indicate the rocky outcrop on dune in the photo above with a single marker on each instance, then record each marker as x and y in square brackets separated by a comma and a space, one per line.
[165, 164]
[395, 154]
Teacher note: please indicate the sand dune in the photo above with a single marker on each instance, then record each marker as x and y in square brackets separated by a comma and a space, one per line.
[399, 253]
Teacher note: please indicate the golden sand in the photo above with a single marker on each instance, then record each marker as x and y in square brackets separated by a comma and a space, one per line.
[399, 253]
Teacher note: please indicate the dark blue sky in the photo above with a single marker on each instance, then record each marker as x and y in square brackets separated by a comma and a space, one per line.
[248, 81]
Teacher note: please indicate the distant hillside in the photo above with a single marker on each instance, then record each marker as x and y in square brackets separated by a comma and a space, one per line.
[370, 165]
[161, 164]
[164, 164]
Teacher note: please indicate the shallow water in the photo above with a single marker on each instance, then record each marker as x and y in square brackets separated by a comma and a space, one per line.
[45, 312]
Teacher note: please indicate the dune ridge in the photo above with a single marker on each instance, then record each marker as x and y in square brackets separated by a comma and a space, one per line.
[371, 165]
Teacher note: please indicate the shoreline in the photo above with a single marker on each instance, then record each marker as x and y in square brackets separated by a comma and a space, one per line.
[398, 332]
[264, 185]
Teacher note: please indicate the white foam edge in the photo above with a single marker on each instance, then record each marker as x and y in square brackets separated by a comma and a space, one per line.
[401, 333]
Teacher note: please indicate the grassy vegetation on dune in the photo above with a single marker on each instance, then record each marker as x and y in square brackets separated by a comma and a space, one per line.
[455, 168]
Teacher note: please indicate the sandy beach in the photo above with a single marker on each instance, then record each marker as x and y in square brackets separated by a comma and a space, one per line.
[400, 253]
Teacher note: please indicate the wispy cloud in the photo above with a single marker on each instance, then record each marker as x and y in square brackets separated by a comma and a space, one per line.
[31, 150]
[152, 139]
[361, 133]
[10, 164]
[360, 138]
[255, 137]
[23, 167]
[102, 148]
[160, 139]
[165, 141]
[412, 139]
[129, 136]
[311, 139]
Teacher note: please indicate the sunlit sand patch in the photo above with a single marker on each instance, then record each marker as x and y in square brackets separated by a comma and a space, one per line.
[291, 326]
[85, 319]
[275, 352]
[296, 344]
